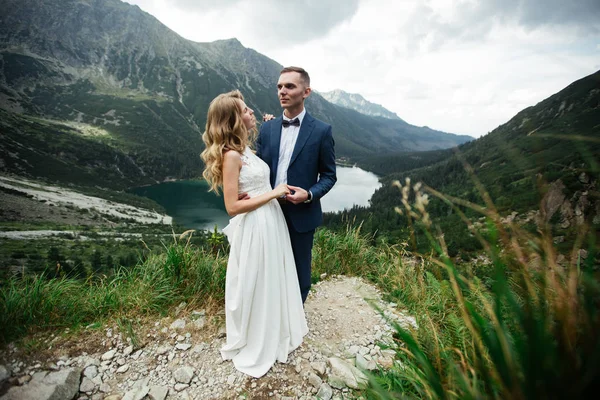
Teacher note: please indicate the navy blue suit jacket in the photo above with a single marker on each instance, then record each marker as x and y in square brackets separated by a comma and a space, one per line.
[312, 166]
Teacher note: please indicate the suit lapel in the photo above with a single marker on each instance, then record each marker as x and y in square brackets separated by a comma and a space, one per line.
[306, 129]
[275, 143]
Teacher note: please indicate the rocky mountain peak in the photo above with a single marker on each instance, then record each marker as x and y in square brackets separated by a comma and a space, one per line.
[358, 103]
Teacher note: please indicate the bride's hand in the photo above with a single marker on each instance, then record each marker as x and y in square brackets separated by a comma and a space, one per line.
[268, 117]
[281, 190]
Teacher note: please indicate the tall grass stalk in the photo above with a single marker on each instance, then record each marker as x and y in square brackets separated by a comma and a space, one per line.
[532, 333]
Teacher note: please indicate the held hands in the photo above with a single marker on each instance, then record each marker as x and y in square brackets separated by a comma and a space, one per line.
[281, 190]
[300, 195]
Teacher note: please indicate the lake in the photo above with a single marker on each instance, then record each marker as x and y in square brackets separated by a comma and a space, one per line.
[192, 206]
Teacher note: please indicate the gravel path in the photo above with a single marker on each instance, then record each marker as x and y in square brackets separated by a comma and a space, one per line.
[180, 358]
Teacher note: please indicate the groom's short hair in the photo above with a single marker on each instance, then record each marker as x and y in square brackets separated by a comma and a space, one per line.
[303, 74]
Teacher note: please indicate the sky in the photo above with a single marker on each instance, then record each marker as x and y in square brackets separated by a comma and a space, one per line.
[459, 66]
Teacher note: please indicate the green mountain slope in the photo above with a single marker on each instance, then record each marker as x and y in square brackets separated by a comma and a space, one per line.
[548, 152]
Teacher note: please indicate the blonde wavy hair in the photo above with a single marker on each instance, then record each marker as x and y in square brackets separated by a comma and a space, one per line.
[225, 130]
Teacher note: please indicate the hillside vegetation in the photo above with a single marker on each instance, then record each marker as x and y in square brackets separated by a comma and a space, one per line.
[545, 157]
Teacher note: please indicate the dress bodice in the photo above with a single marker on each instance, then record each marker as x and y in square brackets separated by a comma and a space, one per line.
[254, 175]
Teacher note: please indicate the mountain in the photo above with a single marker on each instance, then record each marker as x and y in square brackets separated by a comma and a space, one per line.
[358, 103]
[540, 166]
[106, 94]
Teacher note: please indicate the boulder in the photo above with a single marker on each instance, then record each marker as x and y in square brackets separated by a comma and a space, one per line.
[57, 385]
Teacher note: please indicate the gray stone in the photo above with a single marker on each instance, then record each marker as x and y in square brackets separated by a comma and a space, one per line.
[231, 379]
[4, 373]
[105, 388]
[181, 386]
[319, 366]
[364, 364]
[314, 379]
[54, 386]
[199, 323]
[122, 369]
[109, 355]
[158, 393]
[351, 376]
[128, 350]
[162, 350]
[325, 392]
[137, 393]
[178, 324]
[183, 346]
[336, 382]
[91, 371]
[184, 374]
[86, 385]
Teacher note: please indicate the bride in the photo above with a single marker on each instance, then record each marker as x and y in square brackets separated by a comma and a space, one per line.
[264, 314]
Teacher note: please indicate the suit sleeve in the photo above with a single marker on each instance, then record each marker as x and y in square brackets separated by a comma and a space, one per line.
[327, 174]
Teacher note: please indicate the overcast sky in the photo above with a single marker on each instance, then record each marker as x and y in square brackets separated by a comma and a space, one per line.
[460, 66]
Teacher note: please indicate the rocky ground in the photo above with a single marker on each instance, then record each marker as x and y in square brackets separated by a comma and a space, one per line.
[178, 356]
[25, 200]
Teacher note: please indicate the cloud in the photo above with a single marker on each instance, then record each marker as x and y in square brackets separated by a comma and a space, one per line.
[271, 22]
[434, 23]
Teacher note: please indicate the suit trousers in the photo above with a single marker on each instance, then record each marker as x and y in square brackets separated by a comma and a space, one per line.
[302, 243]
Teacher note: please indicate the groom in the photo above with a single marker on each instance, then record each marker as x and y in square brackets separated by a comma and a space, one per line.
[299, 149]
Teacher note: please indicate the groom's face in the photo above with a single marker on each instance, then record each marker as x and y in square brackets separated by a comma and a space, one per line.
[291, 91]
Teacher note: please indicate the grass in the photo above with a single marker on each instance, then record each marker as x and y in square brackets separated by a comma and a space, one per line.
[528, 330]
[182, 272]
[529, 333]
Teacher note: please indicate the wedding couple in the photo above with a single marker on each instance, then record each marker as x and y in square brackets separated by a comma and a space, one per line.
[271, 232]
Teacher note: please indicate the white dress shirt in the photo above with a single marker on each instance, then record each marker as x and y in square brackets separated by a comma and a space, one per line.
[289, 136]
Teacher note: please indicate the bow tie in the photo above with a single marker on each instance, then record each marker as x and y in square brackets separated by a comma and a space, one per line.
[286, 123]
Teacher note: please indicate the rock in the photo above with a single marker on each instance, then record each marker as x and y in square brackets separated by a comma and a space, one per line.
[319, 366]
[128, 350]
[122, 369]
[385, 362]
[181, 386]
[23, 379]
[4, 373]
[325, 392]
[183, 346]
[336, 382]
[90, 371]
[109, 355]
[314, 379]
[105, 388]
[178, 324]
[113, 397]
[364, 364]
[137, 393]
[184, 374]
[86, 385]
[162, 350]
[199, 323]
[158, 392]
[350, 375]
[55, 385]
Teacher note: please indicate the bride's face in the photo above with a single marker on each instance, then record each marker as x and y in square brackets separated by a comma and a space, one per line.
[247, 116]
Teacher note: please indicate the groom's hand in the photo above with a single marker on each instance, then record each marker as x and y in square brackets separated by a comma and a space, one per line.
[299, 195]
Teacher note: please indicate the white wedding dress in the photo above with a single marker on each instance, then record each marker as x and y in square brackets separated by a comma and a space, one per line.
[264, 314]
